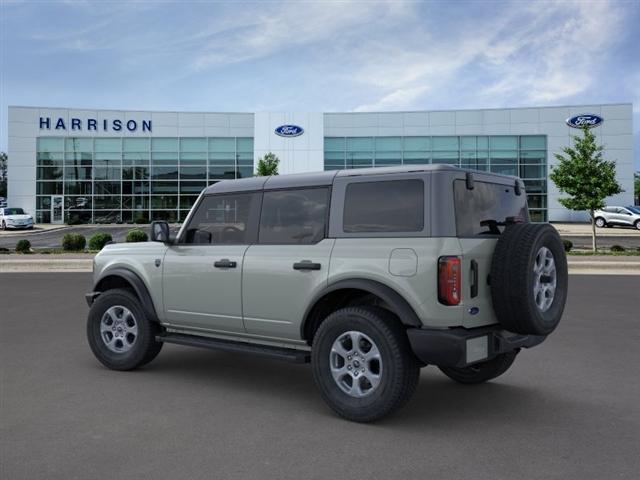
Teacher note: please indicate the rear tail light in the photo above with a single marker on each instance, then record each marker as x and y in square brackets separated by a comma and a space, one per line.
[449, 280]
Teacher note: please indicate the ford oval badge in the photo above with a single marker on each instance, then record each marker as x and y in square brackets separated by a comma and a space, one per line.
[289, 131]
[588, 120]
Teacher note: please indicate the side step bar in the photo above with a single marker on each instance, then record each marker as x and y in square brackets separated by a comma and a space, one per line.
[280, 353]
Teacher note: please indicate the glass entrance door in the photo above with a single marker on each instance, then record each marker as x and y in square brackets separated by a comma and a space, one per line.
[57, 209]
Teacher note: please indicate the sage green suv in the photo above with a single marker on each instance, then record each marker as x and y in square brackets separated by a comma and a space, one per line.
[368, 274]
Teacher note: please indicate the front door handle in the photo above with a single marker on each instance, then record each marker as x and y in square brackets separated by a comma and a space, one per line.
[225, 263]
[306, 265]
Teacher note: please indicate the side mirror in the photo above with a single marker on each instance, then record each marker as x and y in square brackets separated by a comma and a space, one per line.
[160, 231]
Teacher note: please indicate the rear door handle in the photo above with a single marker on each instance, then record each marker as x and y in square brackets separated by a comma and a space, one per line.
[225, 263]
[306, 265]
[474, 279]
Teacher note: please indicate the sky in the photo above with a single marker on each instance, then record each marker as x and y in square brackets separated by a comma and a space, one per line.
[318, 55]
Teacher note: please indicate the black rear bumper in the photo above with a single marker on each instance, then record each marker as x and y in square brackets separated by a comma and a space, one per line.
[459, 347]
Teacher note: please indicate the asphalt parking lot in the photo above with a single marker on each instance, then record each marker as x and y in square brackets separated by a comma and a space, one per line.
[569, 409]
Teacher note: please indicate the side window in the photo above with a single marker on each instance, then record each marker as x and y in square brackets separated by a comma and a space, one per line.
[294, 216]
[384, 206]
[223, 219]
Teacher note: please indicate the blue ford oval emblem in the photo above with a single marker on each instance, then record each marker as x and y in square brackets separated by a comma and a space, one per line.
[289, 131]
[588, 120]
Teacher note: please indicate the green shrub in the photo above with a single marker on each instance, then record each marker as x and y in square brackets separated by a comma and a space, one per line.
[23, 246]
[136, 235]
[617, 248]
[99, 240]
[4, 250]
[568, 245]
[141, 220]
[73, 242]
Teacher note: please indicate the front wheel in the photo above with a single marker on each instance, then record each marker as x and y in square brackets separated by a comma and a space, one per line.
[600, 223]
[363, 364]
[119, 332]
[637, 224]
[4, 225]
[483, 371]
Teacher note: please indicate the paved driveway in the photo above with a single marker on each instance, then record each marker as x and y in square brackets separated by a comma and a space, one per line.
[567, 410]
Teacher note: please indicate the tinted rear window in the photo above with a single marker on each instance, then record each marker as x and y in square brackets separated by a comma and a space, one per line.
[384, 206]
[487, 201]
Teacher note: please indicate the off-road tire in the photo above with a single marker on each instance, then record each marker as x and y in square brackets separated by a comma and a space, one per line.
[481, 372]
[513, 279]
[400, 372]
[145, 348]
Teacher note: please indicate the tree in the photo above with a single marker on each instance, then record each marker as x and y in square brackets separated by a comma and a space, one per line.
[267, 165]
[636, 188]
[585, 177]
[3, 174]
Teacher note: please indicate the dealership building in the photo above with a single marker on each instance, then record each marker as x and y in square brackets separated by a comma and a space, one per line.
[108, 166]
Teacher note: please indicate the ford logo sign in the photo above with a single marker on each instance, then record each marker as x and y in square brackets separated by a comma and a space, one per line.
[289, 131]
[583, 120]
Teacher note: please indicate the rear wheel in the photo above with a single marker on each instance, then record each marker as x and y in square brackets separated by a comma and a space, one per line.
[481, 372]
[4, 225]
[363, 364]
[600, 222]
[119, 332]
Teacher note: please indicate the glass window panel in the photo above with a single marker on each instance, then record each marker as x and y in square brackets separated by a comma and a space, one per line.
[483, 143]
[78, 188]
[107, 216]
[50, 158]
[533, 142]
[187, 201]
[533, 156]
[535, 186]
[360, 158]
[386, 206]
[77, 203]
[220, 173]
[217, 158]
[245, 172]
[192, 187]
[505, 169]
[164, 144]
[170, 216]
[141, 173]
[193, 145]
[163, 173]
[222, 219]
[294, 216]
[127, 173]
[388, 144]
[537, 201]
[334, 144]
[49, 144]
[505, 157]
[136, 202]
[449, 158]
[334, 158]
[164, 201]
[164, 187]
[538, 216]
[417, 143]
[193, 173]
[77, 173]
[135, 188]
[49, 173]
[164, 158]
[333, 167]
[245, 159]
[359, 143]
[504, 142]
[43, 217]
[107, 188]
[222, 145]
[468, 143]
[136, 145]
[139, 158]
[49, 188]
[82, 158]
[43, 202]
[105, 173]
[78, 216]
[193, 158]
[416, 158]
[388, 158]
[78, 144]
[444, 143]
[107, 144]
[245, 144]
[532, 171]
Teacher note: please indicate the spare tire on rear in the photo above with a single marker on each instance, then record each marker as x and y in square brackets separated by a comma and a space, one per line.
[529, 278]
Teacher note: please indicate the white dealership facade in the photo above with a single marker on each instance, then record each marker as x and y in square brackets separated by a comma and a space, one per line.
[83, 165]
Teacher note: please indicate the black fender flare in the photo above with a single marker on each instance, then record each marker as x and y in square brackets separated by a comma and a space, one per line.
[138, 285]
[397, 302]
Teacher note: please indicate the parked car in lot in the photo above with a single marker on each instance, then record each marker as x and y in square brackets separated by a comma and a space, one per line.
[622, 216]
[368, 274]
[15, 218]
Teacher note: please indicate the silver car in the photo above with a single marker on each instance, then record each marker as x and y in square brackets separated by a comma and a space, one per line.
[623, 216]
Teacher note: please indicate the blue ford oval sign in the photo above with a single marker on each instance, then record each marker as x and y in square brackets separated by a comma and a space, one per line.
[588, 120]
[289, 131]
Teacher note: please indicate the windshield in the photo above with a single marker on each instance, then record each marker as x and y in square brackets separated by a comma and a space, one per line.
[634, 209]
[13, 211]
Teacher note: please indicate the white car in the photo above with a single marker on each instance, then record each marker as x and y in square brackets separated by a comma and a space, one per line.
[15, 218]
[623, 216]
